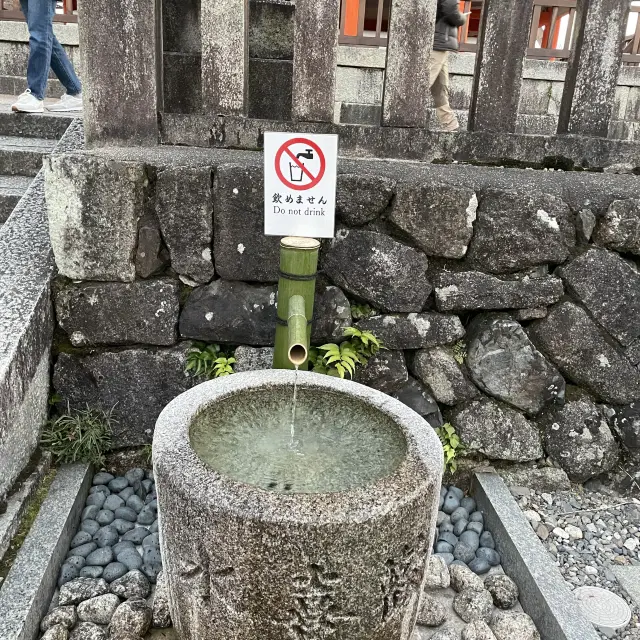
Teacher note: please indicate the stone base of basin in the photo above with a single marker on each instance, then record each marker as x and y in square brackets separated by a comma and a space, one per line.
[249, 563]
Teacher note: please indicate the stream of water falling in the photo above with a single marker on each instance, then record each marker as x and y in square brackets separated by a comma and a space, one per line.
[293, 410]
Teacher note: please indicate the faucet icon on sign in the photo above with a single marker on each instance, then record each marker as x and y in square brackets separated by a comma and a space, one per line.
[295, 170]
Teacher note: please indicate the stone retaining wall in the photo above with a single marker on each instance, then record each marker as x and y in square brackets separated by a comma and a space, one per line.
[508, 299]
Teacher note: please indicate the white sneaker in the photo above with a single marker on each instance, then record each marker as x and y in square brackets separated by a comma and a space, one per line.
[28, 103]
[67, 103]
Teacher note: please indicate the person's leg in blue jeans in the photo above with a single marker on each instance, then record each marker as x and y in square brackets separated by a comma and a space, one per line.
[46, 52]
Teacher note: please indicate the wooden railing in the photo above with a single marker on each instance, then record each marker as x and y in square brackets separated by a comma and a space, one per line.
[66, 10]
[364, 22]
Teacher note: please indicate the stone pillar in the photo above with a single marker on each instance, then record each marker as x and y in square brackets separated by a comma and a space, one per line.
[315, 54]
[225, 56]
[118, 41]
[505, 27]
[592, 75]
[406, 97]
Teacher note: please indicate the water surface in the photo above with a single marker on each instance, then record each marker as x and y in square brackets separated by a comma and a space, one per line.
[338, 442]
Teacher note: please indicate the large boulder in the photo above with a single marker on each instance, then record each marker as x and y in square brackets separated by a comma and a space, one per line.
[503, 362]
[361, 199]
[475, 291]
[578, 347]
[578, 437]
[230, 312]
[386, 372]
[331, 316]
[443, 375]
[374, 267]
[241, 250]
[517, 230]
[496, 431]
[439, 218]
[416, 396]
[609, 288]
[415, 330]
[94, 205]
[184, 205]
[619, 229]
[115, 313]
[136, 383]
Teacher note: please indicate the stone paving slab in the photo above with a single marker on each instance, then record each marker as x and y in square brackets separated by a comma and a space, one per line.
[543, 592]
[29, 586]
[17, 504]
[629, 578]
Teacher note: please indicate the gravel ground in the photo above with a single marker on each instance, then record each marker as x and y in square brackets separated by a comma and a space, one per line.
[588, 533]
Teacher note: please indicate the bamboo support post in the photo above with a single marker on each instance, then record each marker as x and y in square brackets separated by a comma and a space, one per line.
[298, 268]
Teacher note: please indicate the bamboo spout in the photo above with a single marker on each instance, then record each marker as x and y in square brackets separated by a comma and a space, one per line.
[298, 266]
[297, 331]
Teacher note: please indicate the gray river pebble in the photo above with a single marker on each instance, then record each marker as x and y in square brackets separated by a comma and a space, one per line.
[137, 535]
[102, 478]
[104, 517]
[106, 537]
[100, 557]
[122, 526]
[118, 484]
[114, 570]
[96, 499]
[125, 513]
[90, 526]
[113, 502]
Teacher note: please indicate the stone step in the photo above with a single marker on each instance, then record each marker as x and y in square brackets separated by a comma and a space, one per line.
[22, 156]
[12, 188]
[47, 125]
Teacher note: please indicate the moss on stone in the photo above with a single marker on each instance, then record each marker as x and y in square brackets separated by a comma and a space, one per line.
[27, 522]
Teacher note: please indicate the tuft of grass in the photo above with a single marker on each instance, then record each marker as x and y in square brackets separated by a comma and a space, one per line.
[147, 453]
[80, 435]
[25, 526]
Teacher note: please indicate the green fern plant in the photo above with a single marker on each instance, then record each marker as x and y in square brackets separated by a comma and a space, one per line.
[80, 435]
[208, 361]
[451, 444]
[342, 360]
[362, 311]
[460, 351]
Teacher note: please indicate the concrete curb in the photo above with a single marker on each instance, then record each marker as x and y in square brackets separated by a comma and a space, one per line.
[543, 592]
[17, 504]
[28, 589]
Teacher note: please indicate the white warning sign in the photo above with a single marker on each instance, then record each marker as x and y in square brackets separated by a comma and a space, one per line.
[300, 184]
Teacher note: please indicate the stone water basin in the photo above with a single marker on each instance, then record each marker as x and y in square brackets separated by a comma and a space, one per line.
[318, 531]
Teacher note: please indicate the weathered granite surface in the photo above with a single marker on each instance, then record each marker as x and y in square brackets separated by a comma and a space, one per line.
[113, 313]
[94, 206]
[370, 570]
[26, 324]
[28, 588]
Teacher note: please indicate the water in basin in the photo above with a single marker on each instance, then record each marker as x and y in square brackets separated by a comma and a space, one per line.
[339, 443]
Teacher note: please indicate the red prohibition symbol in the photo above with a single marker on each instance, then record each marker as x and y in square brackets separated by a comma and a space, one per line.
[297, 169]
